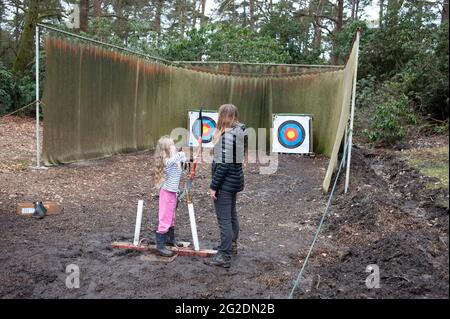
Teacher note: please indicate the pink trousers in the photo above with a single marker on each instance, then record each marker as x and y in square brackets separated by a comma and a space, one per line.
[167, 208]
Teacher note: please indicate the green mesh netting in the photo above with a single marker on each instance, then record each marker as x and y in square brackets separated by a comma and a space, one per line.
[99, 102]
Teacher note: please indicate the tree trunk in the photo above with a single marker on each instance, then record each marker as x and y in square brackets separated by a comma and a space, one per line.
[203, 17]
[244, 22]
[252, 14]
[381, 14]
[340, 15]
[181, 4]
[233, 11]
[194, 13]
[120, 25]
[2, 9]
[25, 51]
[419, 15]
[97, 8]
[84, 11]
[317, 42]
[352, 15]
[16, 27]
[158, 14]
[444, 16]
[335, 56]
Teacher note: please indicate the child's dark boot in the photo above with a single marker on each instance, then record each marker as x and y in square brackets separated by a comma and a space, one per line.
[161, 245]
[171, 241]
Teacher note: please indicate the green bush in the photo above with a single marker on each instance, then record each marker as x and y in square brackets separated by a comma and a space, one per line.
[411, 49]
[16, 92]
[6, 87]
[425, 77]
[367, 92]
[25, 90]
[225, 43]
[391, 119]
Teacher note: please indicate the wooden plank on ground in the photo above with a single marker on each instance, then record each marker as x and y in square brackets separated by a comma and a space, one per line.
[181, 251]
[27, 208]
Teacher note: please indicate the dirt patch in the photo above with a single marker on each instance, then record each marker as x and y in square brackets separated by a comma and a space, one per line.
[99, 200]
[17, 142]
[405, 264]
[388, 218]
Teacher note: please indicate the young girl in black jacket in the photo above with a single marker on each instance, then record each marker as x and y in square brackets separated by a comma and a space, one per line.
[227, 180]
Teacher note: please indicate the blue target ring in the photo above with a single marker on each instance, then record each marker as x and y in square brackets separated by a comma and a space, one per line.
[209, 127]
[291, 134]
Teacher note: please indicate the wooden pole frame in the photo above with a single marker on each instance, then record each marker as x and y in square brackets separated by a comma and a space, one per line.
[352, 115]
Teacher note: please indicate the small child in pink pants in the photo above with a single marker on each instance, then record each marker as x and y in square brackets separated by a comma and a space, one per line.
[167, 179]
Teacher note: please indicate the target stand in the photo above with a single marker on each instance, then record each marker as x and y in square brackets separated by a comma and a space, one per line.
[292, 134]
[139, 244]
[209, 120]
[180, 251]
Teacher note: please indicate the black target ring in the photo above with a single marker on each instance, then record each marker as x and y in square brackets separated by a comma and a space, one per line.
[209, 127]
[291, 134]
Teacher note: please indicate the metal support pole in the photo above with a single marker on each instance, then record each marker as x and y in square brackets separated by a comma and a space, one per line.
[344, 159]
[350, 137]
[38, 155]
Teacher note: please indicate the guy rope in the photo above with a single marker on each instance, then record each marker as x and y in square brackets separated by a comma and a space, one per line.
[316, 236]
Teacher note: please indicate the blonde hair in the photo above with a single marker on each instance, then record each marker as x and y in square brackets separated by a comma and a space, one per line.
[165, 149]
[228, 117]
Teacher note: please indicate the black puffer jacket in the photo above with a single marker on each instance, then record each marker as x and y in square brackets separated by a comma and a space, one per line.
[227, 173]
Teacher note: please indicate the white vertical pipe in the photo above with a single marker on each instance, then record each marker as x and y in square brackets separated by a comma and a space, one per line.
[137, 229]
[193, 226]
[38, 155]
[350, 137]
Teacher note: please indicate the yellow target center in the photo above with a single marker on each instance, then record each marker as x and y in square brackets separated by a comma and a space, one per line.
[205, 129]
[290, 134]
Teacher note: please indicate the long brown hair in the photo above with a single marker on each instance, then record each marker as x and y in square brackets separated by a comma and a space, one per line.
[228, 117]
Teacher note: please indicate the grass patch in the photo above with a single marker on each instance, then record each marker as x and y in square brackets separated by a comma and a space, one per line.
[431, 162]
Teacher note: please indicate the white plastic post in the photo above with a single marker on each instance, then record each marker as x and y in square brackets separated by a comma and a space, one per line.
[38, 155]
[137, 229]
[350, 137]
[193, 226]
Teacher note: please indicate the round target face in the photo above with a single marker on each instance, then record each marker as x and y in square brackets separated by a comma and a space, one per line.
[209, 126]
[291, 134]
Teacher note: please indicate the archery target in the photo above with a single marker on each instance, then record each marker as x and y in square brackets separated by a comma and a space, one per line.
[292, 134]
[209, 120]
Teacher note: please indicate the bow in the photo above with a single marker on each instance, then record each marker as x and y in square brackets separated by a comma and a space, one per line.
[188, 185]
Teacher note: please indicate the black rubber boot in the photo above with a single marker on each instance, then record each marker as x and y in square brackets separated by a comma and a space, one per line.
[218, 260]
[171, 238]
[234, 247]
[161, 245]
[39, 210]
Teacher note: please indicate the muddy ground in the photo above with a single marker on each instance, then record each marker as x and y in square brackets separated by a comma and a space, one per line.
[388, 218]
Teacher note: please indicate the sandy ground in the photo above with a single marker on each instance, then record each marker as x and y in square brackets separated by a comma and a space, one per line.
[381, 221]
